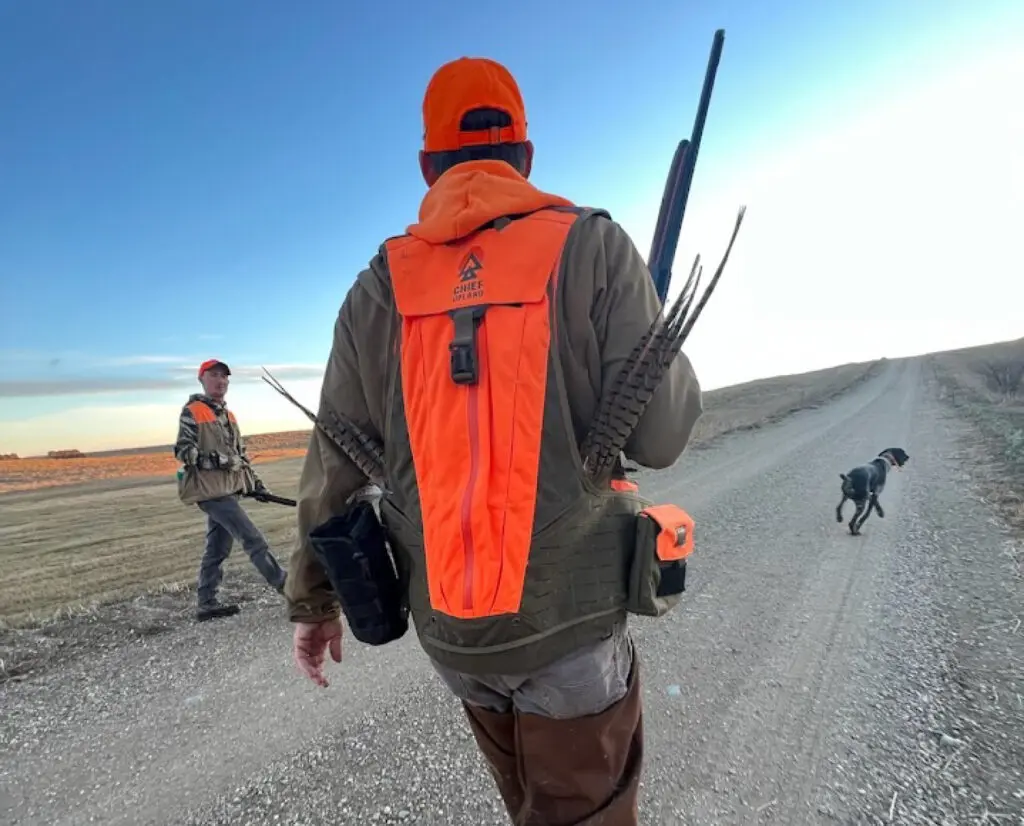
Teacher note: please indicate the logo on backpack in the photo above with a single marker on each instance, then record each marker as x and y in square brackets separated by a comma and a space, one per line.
[470, 286]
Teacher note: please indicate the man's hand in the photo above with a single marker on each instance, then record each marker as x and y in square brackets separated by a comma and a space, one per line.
[310, 643]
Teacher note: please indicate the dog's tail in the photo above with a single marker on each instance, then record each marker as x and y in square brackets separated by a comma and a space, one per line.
[846, 485]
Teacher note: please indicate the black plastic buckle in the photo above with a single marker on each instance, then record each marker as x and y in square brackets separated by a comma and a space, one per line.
[465, 362]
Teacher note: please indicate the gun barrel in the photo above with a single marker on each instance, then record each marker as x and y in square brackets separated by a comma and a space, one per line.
[700, 118]
[670, 219]
[680, 177]
[271, 497]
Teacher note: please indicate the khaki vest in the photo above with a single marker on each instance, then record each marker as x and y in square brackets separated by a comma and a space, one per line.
[198, 485]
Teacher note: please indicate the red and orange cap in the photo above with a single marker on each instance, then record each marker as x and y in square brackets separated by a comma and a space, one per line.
[209, 363]
[460, 86]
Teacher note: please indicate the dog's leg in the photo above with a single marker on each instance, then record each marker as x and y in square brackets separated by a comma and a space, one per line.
[839, 509]
[854, 527]
[867, 512]
[877, 506]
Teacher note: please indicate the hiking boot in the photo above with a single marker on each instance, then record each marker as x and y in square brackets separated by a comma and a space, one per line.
[215, 610]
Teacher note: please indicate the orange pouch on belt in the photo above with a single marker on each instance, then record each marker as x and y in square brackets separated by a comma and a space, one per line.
[657, 573]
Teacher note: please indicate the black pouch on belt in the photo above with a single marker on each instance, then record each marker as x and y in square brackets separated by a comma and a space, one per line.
[354, 553]
[657, 573]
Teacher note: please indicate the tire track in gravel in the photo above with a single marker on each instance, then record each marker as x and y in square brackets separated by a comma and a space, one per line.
[795, 683]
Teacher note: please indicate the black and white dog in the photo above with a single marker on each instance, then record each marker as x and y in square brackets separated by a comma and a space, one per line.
[865, 483]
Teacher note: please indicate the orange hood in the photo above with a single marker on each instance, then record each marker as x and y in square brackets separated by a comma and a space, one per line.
[470, 194]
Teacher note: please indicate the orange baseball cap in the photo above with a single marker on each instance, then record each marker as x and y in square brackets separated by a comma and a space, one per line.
[206, 365]
[460, 86]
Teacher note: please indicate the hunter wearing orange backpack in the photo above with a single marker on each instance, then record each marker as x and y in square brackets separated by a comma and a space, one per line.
[477, 348]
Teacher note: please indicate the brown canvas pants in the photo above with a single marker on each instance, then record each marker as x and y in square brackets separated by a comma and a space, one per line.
[554, 767]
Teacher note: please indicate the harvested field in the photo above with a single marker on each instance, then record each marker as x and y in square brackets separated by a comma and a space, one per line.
[64, 549]
[32, 474]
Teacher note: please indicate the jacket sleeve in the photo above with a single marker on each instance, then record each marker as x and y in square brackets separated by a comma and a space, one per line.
[328, 477]
[186, 446]
[624, 306]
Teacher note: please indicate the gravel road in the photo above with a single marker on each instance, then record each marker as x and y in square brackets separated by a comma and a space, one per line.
[807, 677]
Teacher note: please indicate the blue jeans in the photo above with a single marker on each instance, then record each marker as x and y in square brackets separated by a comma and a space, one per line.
[226, 521]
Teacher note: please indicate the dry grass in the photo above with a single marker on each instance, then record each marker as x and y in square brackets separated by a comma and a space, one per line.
[985, 385]
[66, 548]
[33, 474]
[140, 463]
[757, 403]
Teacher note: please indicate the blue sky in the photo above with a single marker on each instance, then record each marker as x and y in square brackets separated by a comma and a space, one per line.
[193, 179]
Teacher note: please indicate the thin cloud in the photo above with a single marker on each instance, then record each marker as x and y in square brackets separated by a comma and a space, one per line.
[11, 355]
[53, 358]
[14, 354]
[168, 378]
[290, 371]
[252, 372]
[69, 387]
[130, 361]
